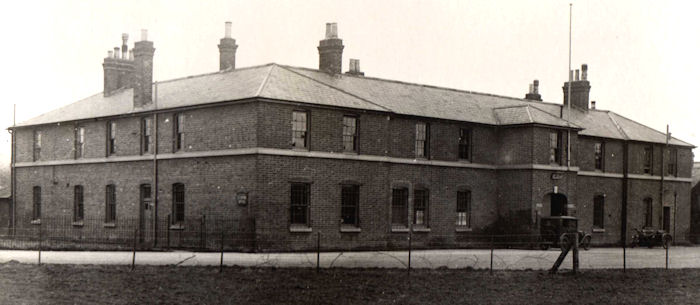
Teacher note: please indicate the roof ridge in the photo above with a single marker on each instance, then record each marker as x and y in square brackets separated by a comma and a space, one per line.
[558, 118]
[212, 73]
[529, 115]
[617, 125]
[336, 88]
[264, 82]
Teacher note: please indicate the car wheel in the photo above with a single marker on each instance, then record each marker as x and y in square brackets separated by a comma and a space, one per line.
[586, 242]
[564, 242]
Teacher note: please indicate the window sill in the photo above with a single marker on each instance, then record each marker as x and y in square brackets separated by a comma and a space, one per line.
[399, 229]
[350, 229]
[78, 223]
[465, 160]
[300, 229]
[463, 229]
[421, 229]
[110, 225]
[598, 230]
[36, 222]
[176, 227]
[350, 152]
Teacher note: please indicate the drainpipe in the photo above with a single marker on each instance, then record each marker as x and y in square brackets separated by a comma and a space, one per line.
[13, 172]
[155, 165]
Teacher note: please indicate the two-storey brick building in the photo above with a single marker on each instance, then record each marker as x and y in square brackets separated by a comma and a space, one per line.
[295, 151]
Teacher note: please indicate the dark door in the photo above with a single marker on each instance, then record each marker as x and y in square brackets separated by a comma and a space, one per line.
[667, 219]
[558, 205]
[145, 213]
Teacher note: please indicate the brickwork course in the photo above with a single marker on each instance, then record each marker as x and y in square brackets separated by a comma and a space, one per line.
[236, 157]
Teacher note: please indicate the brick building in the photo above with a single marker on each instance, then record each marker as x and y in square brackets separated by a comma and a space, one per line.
[695, 203]
[295, 151]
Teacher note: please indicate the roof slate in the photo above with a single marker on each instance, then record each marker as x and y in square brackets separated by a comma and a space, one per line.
[315, 87]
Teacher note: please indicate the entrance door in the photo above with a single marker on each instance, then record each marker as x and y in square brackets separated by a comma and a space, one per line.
[557, 205]
[145, 213]
[667, 219]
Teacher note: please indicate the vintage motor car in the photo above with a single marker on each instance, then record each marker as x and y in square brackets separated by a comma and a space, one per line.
[554, 232]
[651, 238]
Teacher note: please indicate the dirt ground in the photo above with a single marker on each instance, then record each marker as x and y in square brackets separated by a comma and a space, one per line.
[91, 284]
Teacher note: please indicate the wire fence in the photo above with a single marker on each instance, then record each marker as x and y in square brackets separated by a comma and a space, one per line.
[224, 241]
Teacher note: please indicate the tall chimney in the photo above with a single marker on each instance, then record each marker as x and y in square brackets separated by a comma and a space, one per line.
[143, 67]
[330, 51]
[227, 50]
[580, 89]
[118, 69]
[534, 93]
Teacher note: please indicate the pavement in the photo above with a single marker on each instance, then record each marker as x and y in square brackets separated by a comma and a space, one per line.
[503, 259]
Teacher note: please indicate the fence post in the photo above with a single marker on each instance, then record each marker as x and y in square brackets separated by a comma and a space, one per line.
[575, 254]
[221, 262]
[318, 252]
[167, 235]
[410, 246]
[40, 244]
[133, 249]
[667, 256]
[491, 254]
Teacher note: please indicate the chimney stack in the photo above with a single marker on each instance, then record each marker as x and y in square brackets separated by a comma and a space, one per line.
[534, 93]
[593, 105]
[355, 68]
[143, 68]
[330, 51]
[118, 69]
[227, 50]
[580, 89]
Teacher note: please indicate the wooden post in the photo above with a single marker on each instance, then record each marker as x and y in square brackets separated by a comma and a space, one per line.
[560, 259]
[491, 255]
[39, 244]
[221, 262]
[133, 255]
[318, 252]
[410, 239]
[667, 256]
[624, 258]
[575, 254]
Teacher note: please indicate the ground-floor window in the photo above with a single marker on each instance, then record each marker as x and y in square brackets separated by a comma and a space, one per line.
[420, 207]
[36, 203]
[464, 208]
[110, 204]
[599, 212]
[78, 203]
[299, 210]
[350, 202]
[399, 207]
[178, 203]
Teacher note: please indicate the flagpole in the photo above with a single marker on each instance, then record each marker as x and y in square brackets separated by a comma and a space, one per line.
[568, 104]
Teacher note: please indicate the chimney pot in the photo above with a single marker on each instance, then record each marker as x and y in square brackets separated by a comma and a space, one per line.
[131, 54]
[144, 35]
[577, 78]
[593, 105]
[584, 73]
[536, 86]
[110, 54]
[331, 30]
[116, 52]
[227, 33]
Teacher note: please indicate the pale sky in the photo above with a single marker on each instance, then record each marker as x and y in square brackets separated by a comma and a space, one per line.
[642, 55]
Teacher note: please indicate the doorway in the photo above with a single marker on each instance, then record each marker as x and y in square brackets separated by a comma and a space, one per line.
[557, 203]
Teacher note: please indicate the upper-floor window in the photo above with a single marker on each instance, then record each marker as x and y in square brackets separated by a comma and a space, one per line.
[599, 211]
[299, 129]
[178, 131]
[37, 145]
[555, 147]
[420, 207]
[422, 140]
[648, 213]
[465, 141]
[178, 203]
[110, 203]
[399, 207]
[78, 206]
[36, 203]
[146, 135]
[299, 207]
[598, 155]
[111, 137]
[350, 133]
[464, 208]
[648, 157]
[672, 169]
[349, 205]
[79, 142]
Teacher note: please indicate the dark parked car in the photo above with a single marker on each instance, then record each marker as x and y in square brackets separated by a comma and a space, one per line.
[553, 231]
[651, 238]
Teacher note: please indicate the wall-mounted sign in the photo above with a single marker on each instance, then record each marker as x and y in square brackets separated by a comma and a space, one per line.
[242, 198]
[557, 176]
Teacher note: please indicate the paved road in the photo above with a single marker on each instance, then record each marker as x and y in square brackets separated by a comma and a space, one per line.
[597, 258]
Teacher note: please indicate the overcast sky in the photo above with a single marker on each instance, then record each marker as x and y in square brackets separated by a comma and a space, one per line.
[642, 55]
